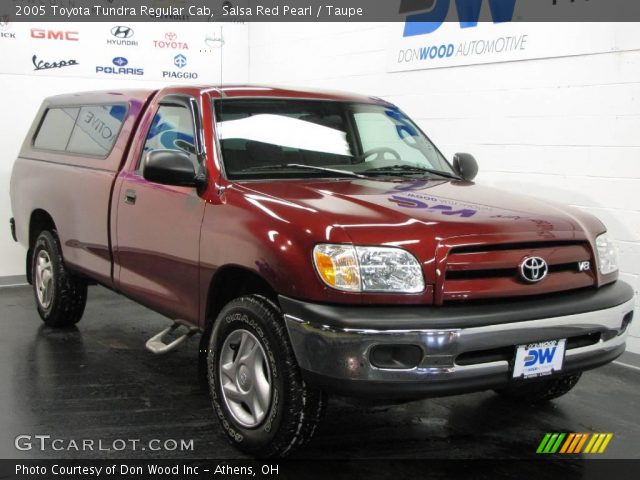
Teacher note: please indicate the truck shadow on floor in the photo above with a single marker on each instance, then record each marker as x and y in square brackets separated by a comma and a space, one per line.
[100, 383]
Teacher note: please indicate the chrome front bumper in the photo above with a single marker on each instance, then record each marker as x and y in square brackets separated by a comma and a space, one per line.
[333, 355]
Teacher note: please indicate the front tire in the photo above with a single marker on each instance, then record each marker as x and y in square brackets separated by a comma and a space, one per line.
[541, 391]
[60, 296]
[256, 387]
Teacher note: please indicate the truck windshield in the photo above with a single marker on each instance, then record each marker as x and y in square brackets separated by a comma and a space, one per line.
[278, 138]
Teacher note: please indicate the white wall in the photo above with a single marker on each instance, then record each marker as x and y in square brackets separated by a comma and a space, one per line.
[23, 89]
[565, 129]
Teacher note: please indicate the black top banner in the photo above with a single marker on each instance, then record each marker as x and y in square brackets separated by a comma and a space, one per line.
[467, 12]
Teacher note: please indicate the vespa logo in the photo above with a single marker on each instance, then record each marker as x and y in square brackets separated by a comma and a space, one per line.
[122, 32]
[434, 13]
[533, 269]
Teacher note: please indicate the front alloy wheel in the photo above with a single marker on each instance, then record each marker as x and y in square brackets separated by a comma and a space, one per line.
[264, 406]
[245, 377]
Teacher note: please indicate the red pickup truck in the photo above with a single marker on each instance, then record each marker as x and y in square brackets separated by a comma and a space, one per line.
[319, 242]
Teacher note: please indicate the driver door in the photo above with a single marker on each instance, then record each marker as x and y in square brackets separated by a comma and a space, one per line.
[158, 226]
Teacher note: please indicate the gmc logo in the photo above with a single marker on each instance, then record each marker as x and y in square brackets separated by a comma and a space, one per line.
[54, 34]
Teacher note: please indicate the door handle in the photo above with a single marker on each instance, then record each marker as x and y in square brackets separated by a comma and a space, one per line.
[130, 197]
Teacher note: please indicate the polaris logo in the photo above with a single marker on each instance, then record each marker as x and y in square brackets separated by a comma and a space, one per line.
[119, 68]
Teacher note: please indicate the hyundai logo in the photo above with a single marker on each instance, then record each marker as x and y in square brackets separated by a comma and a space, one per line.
[180, 61]
[120, 61]
[122, 32]
[533, 269]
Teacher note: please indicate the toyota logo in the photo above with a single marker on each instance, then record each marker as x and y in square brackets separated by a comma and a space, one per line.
[170, 36]
[533, 269]
[122, 32]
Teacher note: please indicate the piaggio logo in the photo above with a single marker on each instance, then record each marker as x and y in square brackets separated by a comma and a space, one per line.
[179, 61]
[170, 42]
[122, 36]
[573, 443]
[54, 35]
[434, 12]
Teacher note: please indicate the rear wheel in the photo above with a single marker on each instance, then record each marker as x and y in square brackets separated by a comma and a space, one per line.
[60, 295]
[256, 387]
[541, 391]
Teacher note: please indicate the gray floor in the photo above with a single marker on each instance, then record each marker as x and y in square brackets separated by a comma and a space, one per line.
[98, 382]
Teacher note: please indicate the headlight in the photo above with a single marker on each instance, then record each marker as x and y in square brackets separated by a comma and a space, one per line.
[368, 269]
[607, 258]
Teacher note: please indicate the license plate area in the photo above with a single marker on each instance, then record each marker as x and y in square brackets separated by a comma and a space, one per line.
[539, 359]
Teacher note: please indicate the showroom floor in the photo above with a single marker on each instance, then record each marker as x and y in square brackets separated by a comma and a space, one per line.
[97, 381]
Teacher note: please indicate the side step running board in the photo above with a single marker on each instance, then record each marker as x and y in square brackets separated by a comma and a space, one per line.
[156, 343]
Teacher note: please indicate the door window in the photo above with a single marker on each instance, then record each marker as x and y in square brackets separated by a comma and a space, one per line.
[172, 129]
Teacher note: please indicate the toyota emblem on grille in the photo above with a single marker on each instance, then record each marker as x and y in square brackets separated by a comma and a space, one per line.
[533, 269]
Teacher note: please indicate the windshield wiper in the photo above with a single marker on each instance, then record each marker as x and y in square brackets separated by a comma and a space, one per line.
[410, 169]
[343, 173]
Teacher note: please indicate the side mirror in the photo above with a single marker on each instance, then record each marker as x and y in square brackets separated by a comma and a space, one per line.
[465, 165]
[169, 167]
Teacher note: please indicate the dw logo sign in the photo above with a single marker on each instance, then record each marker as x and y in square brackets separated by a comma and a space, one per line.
[541, 355]
[434, 12]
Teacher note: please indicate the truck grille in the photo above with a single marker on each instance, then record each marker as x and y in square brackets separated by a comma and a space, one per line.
[483, 272]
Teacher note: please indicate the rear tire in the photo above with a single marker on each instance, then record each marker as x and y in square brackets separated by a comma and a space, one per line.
[256, 386]
[60, 296]
[542, 390]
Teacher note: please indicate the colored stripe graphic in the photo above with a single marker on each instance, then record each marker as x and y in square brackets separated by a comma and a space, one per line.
[573, 443]
[606, 441]
[543, 443]
[567, 443]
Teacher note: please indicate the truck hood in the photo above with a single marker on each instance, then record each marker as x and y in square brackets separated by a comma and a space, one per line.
[387, 210]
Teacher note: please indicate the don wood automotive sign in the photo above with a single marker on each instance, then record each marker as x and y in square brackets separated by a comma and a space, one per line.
[496, 32]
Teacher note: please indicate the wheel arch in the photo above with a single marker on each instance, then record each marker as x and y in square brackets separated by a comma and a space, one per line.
[233, 281]
[39, 221]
